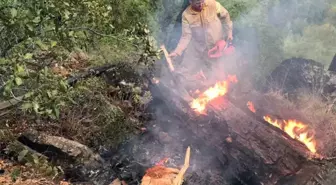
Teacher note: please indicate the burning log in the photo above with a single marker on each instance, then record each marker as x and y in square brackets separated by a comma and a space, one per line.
[239, 132]
[160, 175]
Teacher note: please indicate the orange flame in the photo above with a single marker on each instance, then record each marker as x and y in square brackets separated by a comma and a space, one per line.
[251, 107]
[219, 89]
[296, 130]
[272, 122]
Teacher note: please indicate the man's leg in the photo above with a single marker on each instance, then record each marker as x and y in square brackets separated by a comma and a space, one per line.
[190, 68]
[192, 61]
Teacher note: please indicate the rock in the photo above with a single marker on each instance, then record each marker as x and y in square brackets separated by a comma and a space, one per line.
[297, 74]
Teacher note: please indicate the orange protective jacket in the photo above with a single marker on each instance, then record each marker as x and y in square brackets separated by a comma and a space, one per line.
[203, 29]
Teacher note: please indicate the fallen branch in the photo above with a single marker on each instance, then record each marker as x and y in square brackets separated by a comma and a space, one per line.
[10, 103]
[97, 71]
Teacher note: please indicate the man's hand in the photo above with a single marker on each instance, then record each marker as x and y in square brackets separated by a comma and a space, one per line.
[229, 37]
[173, 55]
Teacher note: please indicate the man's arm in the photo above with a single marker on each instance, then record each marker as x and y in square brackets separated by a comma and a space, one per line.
[185, 37]
[224, 15]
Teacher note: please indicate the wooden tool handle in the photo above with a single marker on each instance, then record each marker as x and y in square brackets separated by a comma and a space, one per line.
[169, 61]
[179, 178]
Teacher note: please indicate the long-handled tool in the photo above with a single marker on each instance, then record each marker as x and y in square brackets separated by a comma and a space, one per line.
[179, 178]
[181, 89]
[169, 61]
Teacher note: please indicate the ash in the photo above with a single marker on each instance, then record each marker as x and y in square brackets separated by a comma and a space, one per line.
[166, 137]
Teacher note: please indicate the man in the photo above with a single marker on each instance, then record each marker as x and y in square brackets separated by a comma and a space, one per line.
[201, 29]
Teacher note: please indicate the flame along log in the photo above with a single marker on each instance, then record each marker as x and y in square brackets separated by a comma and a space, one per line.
[243, 137]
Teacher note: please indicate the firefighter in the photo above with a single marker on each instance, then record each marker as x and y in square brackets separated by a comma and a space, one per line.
[202, 29]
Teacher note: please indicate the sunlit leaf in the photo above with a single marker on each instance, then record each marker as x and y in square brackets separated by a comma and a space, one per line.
[36, 107]
[54, 92]
[53, 43]
[22, 154]
[37, 20]
[28, 56]
[27, 106]
[20, 70]
[71, 33]
[18, 81]
[36, 159]
[41, 45]
[30, 27]
[49, 111]
[64, 86]
[13, 12]
[49, 94]
[29, 94]
[66, 14]
[56, 111]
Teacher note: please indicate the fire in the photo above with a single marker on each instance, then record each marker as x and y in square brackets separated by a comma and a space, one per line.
[296, 130]
[219, 89]
[272, 122]
[251, 106]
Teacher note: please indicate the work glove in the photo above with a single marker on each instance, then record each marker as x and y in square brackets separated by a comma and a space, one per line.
[173, 55]
[216, 51]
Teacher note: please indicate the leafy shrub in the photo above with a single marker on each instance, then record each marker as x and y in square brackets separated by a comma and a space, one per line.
[316, 42]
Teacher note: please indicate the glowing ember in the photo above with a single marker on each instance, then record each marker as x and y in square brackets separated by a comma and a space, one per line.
[200, 75]
[219, 89]
[296, 130]
[162, 162]
[155, 80]
[251, 107]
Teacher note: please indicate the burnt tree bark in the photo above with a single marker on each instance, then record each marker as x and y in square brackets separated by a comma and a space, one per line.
[245, 138]
[332, 66]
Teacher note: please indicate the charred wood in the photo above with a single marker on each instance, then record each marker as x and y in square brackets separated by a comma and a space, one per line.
[332, 66]
[244, 137]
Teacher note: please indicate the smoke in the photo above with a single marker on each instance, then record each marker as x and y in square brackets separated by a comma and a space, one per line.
[262, 29]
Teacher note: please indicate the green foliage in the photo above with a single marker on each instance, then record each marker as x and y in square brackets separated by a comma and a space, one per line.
[112, 110]
[15, 174]
[69, 22]
[47, 97]
[316, 42]
[269, 31]
[237, 8]
[36, 35]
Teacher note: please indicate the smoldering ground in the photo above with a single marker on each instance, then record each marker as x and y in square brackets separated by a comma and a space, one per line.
[259, 34]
